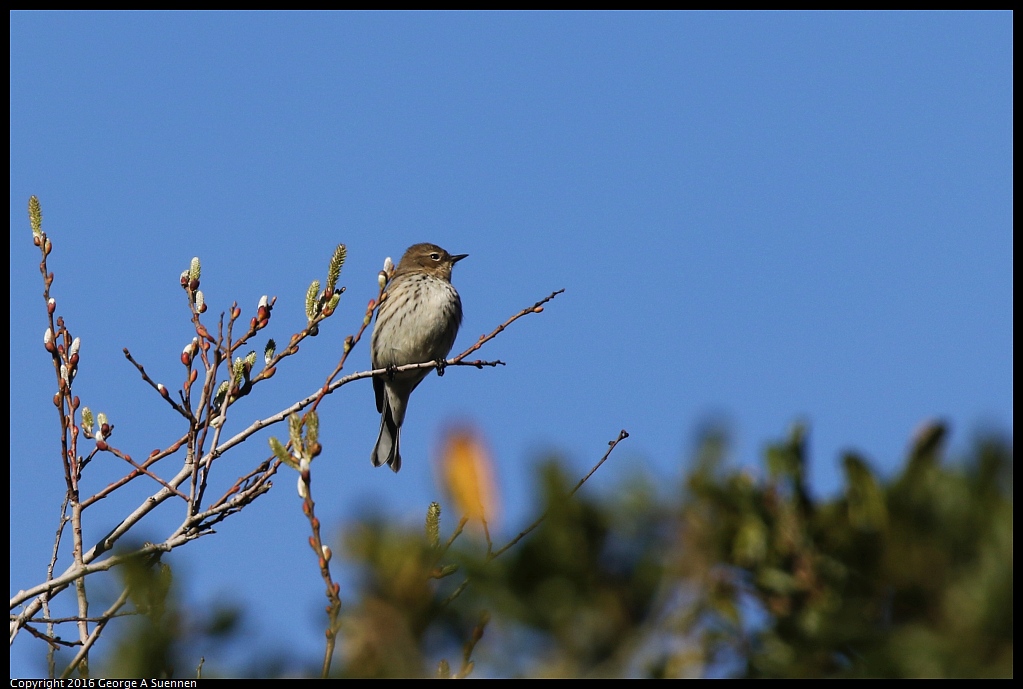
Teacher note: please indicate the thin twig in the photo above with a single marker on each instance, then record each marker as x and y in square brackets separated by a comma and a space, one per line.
[65, 620]
[50, 660]
[153, 458]
[349, 345]
[470, 646]
[142, 470]
[622, 435]
[54, 642]
[106, 617]
[323, 559]
[535, 308]
[162, 389]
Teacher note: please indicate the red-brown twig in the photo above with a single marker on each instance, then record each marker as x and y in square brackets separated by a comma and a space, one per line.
[143, 470]
[323, 556]
[160, 388]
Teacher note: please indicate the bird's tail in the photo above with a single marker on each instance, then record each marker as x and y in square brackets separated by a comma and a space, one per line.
[386, 449]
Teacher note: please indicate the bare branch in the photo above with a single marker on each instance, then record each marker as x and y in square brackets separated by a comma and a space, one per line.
[160, 388]
[622, 435]
[106, 617]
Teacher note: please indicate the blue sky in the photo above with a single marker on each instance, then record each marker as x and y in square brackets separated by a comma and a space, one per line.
[757, 218]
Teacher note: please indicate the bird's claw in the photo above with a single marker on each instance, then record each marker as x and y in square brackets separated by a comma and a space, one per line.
[392, 369]
[441, 365]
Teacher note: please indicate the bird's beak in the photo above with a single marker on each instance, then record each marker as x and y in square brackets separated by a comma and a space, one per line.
[459, 257]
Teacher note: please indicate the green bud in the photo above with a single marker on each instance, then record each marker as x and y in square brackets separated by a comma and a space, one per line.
[334, 269]
[281, 453]
[312, 300]
[433, 524]
[312, 428]
[446, 571]
[295, 429]
[218, 399]
[35, 216]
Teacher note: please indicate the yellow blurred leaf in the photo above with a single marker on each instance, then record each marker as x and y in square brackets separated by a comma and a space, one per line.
[467, 474]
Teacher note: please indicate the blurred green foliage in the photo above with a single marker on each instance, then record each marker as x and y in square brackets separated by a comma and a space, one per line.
[909, 578]
[158, 636]
[729, 573]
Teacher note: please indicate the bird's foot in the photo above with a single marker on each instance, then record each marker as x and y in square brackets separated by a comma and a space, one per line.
[392, 369]
[441, 365]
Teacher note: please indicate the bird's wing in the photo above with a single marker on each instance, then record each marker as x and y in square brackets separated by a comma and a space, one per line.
[378, 389]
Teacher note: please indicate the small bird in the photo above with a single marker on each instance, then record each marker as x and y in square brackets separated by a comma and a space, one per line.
[417, 322]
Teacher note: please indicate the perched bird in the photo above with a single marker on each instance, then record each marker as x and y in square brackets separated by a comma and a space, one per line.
[417, 322]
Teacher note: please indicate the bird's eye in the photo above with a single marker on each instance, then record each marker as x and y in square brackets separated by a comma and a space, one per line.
[435, 256]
